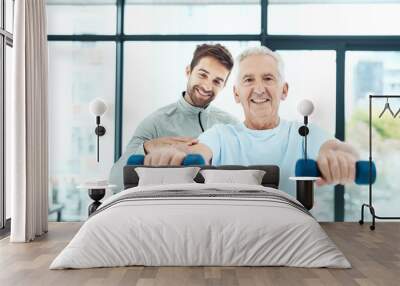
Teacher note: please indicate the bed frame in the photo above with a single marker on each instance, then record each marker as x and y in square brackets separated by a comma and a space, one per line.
[270, 179]
[304, 189]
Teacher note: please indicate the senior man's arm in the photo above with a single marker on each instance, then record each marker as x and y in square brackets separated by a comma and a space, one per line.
[208, 147]
[336, 161]
[175, 154]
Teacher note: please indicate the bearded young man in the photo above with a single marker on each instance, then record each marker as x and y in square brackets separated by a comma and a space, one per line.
[183, 121]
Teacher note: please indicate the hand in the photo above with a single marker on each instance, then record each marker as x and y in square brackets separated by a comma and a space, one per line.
[153, 144]
[337, 163]
[165, 156]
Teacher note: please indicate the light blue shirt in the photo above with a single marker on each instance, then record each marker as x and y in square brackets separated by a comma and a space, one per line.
[235, 144]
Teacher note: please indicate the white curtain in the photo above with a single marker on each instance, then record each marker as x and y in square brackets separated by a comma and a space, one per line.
[29, 123]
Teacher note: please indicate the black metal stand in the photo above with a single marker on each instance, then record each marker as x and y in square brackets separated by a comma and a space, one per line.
[96, 195]
[370, 205]
[305, 188]
[305, 193]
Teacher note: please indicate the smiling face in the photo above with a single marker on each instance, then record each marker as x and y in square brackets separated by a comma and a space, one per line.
[205, 81]
[259, 89]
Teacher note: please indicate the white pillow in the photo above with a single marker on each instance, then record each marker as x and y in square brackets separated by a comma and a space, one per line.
[165, 176]
[248, 177]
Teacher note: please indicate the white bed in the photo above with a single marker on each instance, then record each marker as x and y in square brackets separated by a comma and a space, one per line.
[224, 225]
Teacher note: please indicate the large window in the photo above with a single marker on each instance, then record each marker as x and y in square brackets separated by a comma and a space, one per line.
[374, 73]
[334, 17]
[133, 53]
[192, 17]
[320, 87]
[74, 17]
[78, 73]
[6, 42]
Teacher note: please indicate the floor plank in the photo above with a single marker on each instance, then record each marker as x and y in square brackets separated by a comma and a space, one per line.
[374, 255]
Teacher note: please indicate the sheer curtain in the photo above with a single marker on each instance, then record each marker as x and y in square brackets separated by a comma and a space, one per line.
[28, 116]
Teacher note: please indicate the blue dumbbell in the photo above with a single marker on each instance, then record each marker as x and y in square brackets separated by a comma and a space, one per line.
[309, 168]
[135, 160]
[193, 159]
[190, 159]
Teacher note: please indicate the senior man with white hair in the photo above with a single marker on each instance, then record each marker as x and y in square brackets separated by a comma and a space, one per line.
[264, 137]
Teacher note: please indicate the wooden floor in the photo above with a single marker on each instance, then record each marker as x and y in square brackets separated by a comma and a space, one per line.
[374, 255]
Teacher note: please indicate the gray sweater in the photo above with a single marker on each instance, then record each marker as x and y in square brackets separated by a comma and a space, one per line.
[176, 119]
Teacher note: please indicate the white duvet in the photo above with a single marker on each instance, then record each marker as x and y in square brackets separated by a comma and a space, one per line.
[207, 230]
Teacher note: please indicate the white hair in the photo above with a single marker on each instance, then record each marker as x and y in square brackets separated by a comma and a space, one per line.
[261, 50]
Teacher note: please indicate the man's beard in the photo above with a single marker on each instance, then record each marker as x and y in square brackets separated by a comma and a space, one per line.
[195, 97]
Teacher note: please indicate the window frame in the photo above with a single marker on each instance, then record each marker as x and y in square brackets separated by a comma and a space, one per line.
[5, 40]
[340, 44]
